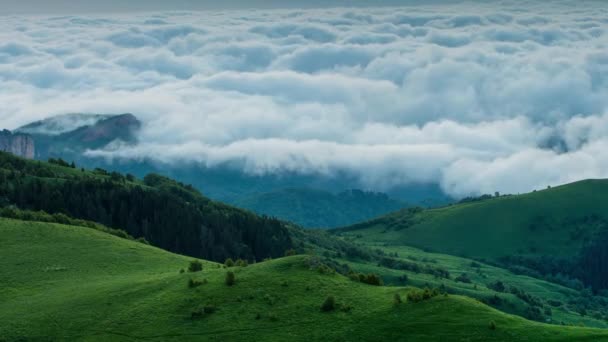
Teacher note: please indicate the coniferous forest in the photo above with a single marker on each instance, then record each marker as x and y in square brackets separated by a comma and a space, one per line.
[166, 213]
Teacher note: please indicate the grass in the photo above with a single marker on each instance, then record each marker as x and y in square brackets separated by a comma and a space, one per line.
[547, 222]
[481, 275]
[72, 283]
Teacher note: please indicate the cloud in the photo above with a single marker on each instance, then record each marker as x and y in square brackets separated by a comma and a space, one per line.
[477, 97]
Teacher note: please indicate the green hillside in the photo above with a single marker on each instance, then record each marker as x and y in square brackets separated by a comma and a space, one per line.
[558, 230]
[313, 208]
[168, 214]
[75, 283]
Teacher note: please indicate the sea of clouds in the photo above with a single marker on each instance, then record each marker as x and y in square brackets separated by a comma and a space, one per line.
[479, 97]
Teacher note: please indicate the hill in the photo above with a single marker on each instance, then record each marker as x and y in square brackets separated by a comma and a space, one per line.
[75, 283]
[166, 213]
[557, 231]
[314, 208]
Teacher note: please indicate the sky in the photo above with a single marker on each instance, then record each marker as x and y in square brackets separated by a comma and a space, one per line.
[478, 97]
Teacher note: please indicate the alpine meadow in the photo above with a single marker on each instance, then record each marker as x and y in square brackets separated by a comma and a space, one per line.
[341, 170]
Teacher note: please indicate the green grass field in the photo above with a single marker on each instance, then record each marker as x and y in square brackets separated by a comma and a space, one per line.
[556, 221]
[72, 283]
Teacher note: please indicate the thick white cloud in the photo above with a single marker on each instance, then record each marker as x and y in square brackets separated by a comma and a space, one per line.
[505, 96]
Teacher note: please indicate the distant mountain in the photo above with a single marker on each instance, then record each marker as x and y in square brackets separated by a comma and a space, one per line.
[19, 144]
[56, 125]
[314, 208]
[68, 136]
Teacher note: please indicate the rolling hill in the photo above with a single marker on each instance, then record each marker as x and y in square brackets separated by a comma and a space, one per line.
[557, 230]
[74, 283]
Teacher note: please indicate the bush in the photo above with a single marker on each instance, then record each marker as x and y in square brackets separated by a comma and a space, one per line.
[329, 304]
[230, 278]
[290, 252]
[463, 278]
[492, 325]
[195, 266]
[418, 295]
[241, 263]
[229, 262]
[196, 283]
[397, 299]
[498, 286]
[372, 279]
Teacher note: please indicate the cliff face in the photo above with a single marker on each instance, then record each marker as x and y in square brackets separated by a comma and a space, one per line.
[18, 144]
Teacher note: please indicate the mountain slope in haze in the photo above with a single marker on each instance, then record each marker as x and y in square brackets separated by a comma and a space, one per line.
[314, 208]
[554, 231]
[69, 136]
[74, 283]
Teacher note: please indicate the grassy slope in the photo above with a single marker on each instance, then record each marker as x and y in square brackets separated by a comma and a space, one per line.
[482, 276]
[499, 226]
[67, 283]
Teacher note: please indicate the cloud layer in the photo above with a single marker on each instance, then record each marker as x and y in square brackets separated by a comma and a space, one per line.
[478, 97]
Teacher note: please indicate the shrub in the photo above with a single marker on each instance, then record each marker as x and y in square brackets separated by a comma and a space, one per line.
[290, 252]
[324, 269]
[209, 309]
[272, 317]
[497, 286]
[181, 271]
[229, 262]
[397, 299]
[414, 296]
[195, 266]
[492, 325]
[230, 278]
[329, 304]
[196, 283]
[202, 311]
[142, 240]
[241, 263]
[372, 279]
[418, 295]
[463, 278]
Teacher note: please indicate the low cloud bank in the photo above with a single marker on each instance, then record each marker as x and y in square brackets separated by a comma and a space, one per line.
[511, 98]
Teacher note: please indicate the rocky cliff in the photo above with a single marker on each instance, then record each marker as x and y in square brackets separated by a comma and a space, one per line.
[17, 143]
